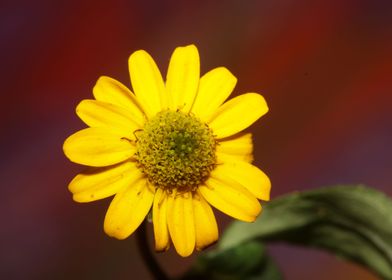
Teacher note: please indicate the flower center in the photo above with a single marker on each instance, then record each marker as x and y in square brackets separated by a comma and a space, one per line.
[175, 151]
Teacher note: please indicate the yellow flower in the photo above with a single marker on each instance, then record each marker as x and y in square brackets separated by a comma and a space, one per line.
[172, 148]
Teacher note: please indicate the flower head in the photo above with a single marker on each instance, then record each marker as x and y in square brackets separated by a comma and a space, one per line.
[172, 148]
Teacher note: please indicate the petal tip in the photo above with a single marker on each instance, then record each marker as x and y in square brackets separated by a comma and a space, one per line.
[206, 246]
[82, 199]
[137, 53]
[189, 46]
[103, 79]
[263, 103]
[161, 249]
[185, 254]
[137, 57]
[187, 49]
[117, 232]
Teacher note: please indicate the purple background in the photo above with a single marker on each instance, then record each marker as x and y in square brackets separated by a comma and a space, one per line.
[324, 68]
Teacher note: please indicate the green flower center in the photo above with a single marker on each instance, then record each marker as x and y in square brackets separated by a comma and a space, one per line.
[175, 151]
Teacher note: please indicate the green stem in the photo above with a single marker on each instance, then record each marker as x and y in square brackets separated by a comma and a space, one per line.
[144, 250]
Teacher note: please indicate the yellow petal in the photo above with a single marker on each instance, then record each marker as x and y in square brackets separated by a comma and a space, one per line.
[103, 182]
[98, 147]
[239, 147]
[205, 224]
[128, 209]
[183, 77]
[159, 219]
[214, 88]
[100, 114]
[237, 114]
[231, 198]
[181, 223]
[147, 83]
[248, 175]
[111, 91]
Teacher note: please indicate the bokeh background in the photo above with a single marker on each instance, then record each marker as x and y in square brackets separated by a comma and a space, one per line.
[323, 66]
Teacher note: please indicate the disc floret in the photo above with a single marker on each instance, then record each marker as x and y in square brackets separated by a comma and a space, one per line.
[176, 151]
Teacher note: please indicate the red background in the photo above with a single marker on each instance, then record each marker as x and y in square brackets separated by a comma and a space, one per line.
[324, 68]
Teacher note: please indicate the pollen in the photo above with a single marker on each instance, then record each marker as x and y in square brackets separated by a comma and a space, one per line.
[175, 151]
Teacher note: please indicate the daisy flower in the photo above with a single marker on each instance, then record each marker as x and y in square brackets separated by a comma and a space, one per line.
[174, 148]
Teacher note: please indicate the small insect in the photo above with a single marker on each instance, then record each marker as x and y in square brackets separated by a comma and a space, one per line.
[129, 140]
[135, 134]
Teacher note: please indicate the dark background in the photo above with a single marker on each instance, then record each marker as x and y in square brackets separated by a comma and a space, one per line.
[324, 68]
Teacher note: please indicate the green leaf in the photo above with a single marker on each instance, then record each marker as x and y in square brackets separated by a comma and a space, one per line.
[245, 261]
[352, 222]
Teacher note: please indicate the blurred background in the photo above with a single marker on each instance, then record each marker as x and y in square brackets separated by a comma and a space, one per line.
[324, 68]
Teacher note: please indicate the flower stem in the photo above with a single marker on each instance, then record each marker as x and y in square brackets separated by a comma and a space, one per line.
[144, 250]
